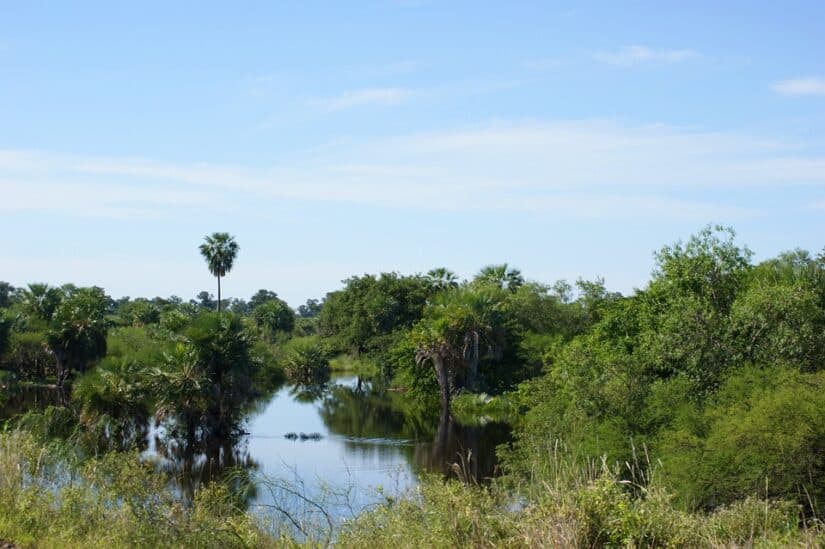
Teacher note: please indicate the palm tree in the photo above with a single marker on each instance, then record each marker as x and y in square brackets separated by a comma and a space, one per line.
[502, 276]
[219, 250]
[458, 329]
[442, 278]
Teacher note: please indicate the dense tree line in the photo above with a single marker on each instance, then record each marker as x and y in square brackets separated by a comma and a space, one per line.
[715, 368]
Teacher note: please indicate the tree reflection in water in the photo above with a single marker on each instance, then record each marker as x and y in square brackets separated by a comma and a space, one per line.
[194, 457]
[361, 417]
[367, 414]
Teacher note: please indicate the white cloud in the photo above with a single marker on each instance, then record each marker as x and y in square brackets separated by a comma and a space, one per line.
[629, 56]
[575, 169]
[359, 98]
[801, 86]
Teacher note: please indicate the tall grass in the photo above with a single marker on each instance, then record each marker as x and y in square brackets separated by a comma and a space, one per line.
[51, 496]
[575, 503]
[47, 499]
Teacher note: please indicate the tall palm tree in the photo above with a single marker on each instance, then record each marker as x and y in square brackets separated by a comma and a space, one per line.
[219, 250]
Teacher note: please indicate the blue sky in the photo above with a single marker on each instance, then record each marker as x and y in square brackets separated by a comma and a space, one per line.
[337, 138]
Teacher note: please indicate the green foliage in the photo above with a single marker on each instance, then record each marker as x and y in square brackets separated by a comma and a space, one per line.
[655, 369]
[311, 309]
[78, 331]
[181, 388]
[219, 346]
[41, 300]
[415, 379]
[710, 267]
[596, 512]
[140, 312]
[442, 278]
[779, 322]
[473, 408]
[28, 355]
[117, 387]
[370, 307]
[361, 366]
[5, 332]
[500, 276]
[714, 372]
[763, 433]
[274, 317]
[306, 360]
[460, 328]
[261, 296]
[219, 250]
[175, 320]
[8, 294]
[112, 501]
[142, 345]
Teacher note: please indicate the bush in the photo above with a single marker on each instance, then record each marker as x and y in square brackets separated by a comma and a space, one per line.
[29, 355]
[306, 360]
[762, 435]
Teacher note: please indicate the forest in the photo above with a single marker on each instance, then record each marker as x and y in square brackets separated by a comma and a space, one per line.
[690, 412]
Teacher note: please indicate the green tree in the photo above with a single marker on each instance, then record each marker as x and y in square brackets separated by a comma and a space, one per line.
[78, 330]
[369, 309]
[219, 250]
[274, 317]
[310, 309]
[221, 348]
[5, 332]
[41, 300]
[442, 278]
[306, 361]
[140, 312]
[8, 293]
[261, 296]
[458, 329]
[500, 275]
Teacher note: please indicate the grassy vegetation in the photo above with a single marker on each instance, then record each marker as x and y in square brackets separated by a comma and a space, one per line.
[50, 496]
[354, 365]
[471, 408]
[579, 509]
[49, 499]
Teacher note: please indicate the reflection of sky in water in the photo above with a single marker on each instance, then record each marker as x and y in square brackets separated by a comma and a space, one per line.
[365, 463]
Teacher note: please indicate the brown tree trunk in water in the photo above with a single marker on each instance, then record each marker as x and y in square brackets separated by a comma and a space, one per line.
[442, 439]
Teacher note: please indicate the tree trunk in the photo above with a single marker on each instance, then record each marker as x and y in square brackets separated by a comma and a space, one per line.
[61, 368]
[443, 381]
[472, 366]
[219, 295]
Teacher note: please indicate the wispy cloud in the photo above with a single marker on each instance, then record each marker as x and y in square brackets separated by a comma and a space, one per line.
[630, 56]
[800, 86]
[578, 169]
[363, 97]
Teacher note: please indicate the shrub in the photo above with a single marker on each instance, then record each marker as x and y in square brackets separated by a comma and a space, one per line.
[305, 360]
